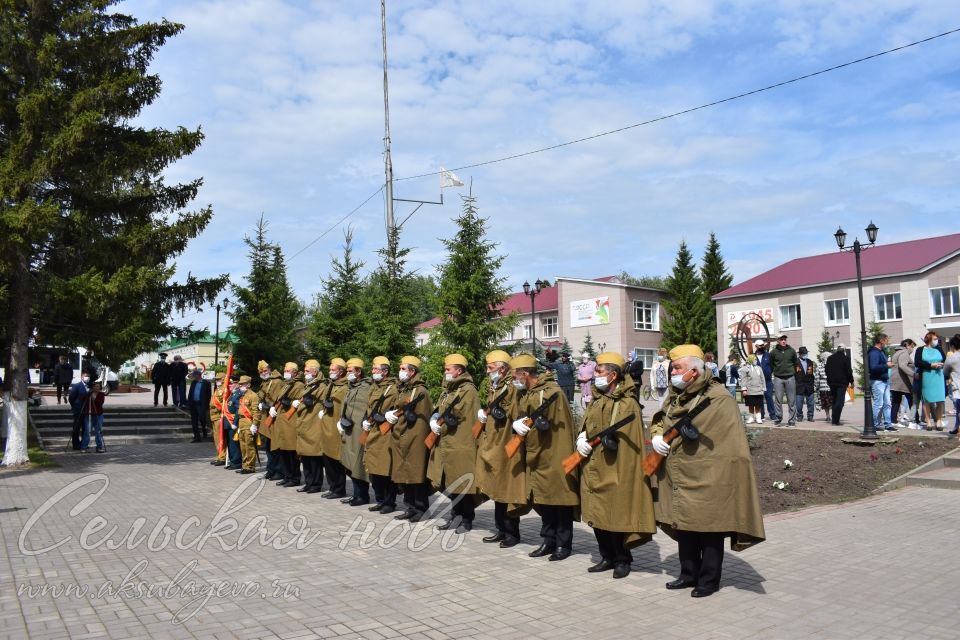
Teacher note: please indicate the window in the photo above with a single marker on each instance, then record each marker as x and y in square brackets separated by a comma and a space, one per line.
[837, 312]
[888, 307]
[945, 301]
[421, 342]
[647, 356]
[790, 317]
[646, 315]
[526, 331]
[550, 327]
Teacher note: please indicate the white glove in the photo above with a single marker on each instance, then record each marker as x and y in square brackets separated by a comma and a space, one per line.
[583, 447]
[520, 428]
[340, 427]
[482, 416]
[273, 412]
[253, 429]
[434, 425]
[366, 425]
[296, 404]
[320, 414]
[661, 447]
[392, 416]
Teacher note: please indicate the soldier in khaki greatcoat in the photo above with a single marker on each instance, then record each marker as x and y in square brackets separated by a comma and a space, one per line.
[409, 426]
[331, 408]
[350, 426]
[378, 454]
[308, 427]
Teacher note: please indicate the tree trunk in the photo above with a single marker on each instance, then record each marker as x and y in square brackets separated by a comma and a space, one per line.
[18, 326]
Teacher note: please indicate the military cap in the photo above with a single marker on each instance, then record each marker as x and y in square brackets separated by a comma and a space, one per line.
[311, 364]
[262, 366]
[381, 360]
[498, 356]
[355, 363]
[611, 357]
[686, 350]
[413, 361]
[220, 375]
[457, 359]
[338, 362]
[523, 360]
[290, 365]
[245, 380]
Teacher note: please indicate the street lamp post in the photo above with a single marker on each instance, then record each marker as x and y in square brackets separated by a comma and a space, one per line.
[216, 336]
[532, 292]
[869, 429]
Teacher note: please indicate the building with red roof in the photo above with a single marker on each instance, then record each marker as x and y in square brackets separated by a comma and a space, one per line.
[909, 287]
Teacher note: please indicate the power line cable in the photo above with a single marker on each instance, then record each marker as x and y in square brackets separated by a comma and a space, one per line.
[685, 111]
[337, 223]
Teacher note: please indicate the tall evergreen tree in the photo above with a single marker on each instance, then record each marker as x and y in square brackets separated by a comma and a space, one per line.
[588, 347]
[471, 291]
[337, 324]
[267, 313]
[686, 312]
[825, 345]
[391, 308]
[89, 230]
[714, 278]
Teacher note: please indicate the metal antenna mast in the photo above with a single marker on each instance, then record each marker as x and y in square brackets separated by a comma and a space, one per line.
[388, 163]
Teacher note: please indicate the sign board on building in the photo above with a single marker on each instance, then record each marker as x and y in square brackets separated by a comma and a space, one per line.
[734, 317]
[585, 313]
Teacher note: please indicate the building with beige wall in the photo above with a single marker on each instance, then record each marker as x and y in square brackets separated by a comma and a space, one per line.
[908, 287]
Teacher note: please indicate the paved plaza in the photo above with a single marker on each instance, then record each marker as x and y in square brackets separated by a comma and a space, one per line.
[878, 568]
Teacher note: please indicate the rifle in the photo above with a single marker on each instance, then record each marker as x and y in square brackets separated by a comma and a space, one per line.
[495, 410]
[683, 427]
[606, 437]
[407, 411]
[431, 439]
[306, 399]
[269, 420]
[370, 416]
[534, 419]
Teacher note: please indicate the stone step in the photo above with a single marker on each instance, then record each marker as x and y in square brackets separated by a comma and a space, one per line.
[59, 443]
[947, 477]
[66, 421]
[121, 430]
[63, 409]
[952, 460]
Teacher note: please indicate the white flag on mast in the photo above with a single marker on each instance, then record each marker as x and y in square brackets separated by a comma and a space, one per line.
[449, 179]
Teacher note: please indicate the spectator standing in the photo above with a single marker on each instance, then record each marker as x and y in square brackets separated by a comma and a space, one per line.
[711, 366]
[839, 378]
[63, 378]
[585, 377]
[878, 367]
[731, 376]
[199, 403]
[824, 397]
[160, 377]
[929, 361]
[951, 369]
[635, 369]
[660, 378]
[754, 385]
[762, 349]
[784, 365]
[93, 418]
[178, 381]
[806, 388]
[901, 382]
[565, 371]
[77, 397]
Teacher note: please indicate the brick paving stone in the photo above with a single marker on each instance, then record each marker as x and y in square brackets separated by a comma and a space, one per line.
[876, 568]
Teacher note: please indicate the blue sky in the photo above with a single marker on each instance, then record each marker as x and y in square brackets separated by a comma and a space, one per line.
[289, 95]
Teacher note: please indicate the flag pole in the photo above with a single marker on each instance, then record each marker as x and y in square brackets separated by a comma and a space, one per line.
[388, 163]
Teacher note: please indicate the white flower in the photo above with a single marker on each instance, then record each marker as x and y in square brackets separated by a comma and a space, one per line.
[780, 484]
[787, 464]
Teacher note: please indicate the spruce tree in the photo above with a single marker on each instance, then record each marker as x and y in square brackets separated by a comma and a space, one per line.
[89, 230]
[471, 292]
[825, 345]
[337, 324]
[714, 278]
[267, 313]
[392, 313]
[588, 347]
[685, 310]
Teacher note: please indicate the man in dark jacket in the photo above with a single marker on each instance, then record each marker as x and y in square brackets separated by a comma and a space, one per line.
[566, 373]
[839, 377]
[784, 364]
[178, 381]
[63, 378]
[879, 365]
[160, 377]
[198, 398]
[805, 386]
[77, 397]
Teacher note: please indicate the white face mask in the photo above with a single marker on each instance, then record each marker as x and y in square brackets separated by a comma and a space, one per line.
[287, 375]
[308, 377]
[934, 342]
[85, 378]
[351, 377]
[495, 377]
[678, 382]
[265, 376]
[377, 377]
[209, 376]
[448, 377]
[601, 382]
[659, 358]
[403, 375]
[334, 375]
[519, 385]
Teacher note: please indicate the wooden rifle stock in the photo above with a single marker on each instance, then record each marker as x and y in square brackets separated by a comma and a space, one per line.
[385, 427]
[477, 429]
[513, 446]
[572, 461]
[363, 438]
[653, 460]
[431, 439]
